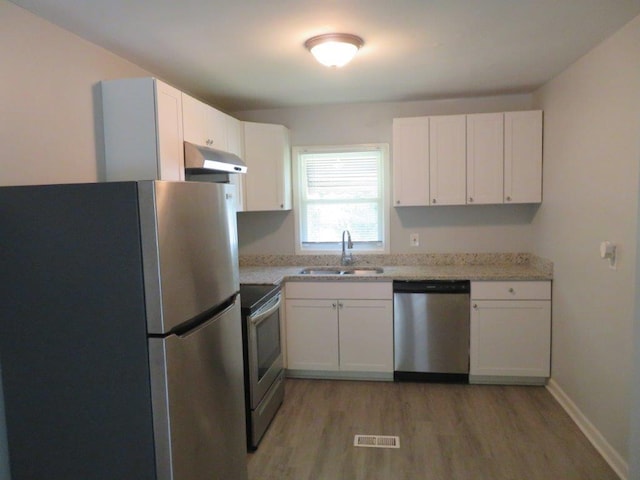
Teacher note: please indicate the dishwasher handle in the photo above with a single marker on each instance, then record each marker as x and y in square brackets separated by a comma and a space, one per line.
[431, 286]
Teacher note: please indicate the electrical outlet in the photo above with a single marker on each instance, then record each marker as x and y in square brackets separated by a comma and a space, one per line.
[414, 239]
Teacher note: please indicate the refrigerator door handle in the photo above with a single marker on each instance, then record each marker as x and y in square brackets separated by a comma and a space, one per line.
[199, 323]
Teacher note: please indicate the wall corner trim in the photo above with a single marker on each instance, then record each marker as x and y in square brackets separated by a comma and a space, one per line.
[611, 456]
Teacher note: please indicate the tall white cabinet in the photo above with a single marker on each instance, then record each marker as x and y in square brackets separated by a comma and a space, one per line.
[267, 153]
[142, 130]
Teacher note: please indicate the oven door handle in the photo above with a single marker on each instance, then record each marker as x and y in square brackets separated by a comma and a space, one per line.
[261, 316]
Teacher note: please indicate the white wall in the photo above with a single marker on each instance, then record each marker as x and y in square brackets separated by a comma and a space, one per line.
[503, 228]
[50, 115]
[591, 158]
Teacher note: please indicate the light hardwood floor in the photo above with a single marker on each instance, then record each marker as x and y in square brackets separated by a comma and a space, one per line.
[447, 432]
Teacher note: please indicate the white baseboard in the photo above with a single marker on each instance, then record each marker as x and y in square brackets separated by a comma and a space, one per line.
[612, 457]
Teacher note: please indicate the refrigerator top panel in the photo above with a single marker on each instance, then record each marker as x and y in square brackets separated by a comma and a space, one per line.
[189, 250]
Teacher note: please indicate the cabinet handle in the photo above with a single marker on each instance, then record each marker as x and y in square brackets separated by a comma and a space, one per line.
[333, 305]
[508, 199]
[434, 201]
[511, 290]
[282, 205]
[475, 305]
[340, 305]
[470, 199]
[397, 202]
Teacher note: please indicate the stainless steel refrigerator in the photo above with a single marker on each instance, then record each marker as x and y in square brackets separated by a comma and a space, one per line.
[120, 332]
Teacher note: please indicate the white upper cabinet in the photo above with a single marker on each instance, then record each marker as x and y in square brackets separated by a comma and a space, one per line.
[410, 161]
[523, 157]
[143, 135]
[485, 158]
[203, 124]
[267, 153]
[447, 160]
[235, 144]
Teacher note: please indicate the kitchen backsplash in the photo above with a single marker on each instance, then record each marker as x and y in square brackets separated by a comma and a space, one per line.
[402, 259]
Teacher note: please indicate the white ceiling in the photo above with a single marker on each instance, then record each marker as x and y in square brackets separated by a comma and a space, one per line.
[249, 54]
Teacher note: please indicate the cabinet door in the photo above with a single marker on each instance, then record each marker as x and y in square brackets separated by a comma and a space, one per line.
[194, 120]
[203, 124]
[268, 158]
[523, 157]
[485, 158]
[216, 124]
[511, 338]
[366, 335]
[312, 334]
[170, 137]
[235, 143]
[447, 160]
[410, 161]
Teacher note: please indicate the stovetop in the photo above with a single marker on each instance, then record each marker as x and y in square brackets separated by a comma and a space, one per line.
[253, 296]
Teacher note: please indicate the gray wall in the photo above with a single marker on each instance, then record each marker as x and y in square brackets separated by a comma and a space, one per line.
[50, 121]
[503, 228]
[592, 154]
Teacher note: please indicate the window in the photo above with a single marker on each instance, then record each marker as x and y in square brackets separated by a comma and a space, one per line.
[337, 189]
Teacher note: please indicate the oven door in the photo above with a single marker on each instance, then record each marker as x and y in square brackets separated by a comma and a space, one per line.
[265, 352]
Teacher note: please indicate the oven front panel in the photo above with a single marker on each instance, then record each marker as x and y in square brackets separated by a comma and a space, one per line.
[265, 353]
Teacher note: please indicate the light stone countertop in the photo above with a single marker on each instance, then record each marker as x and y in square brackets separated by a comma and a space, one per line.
[530, 270]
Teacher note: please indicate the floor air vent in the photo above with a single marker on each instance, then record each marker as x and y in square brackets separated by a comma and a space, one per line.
[376, 441]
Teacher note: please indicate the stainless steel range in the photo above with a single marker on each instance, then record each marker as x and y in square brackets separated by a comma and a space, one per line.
[262, 348]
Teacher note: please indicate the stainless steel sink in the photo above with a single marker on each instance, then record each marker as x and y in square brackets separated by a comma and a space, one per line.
[341, 271]
[363, 271]
[320, 271]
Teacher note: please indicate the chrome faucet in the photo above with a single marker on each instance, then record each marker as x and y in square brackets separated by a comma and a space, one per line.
[347, 258]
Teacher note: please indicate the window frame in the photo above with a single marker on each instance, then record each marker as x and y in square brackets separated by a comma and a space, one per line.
[331, 248]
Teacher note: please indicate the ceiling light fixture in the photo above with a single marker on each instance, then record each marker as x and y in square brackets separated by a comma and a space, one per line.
[334, 49]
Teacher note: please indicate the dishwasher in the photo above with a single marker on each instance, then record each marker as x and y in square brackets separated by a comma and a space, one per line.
[431, 330]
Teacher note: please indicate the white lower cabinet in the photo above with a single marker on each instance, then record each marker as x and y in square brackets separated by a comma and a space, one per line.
[510, 332]
[312, 334]
[339, 329]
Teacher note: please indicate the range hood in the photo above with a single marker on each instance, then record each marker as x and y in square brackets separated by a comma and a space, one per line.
[204, 160]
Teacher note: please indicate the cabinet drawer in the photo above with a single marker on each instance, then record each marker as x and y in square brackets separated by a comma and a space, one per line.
[511, 290]
[335, 290]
